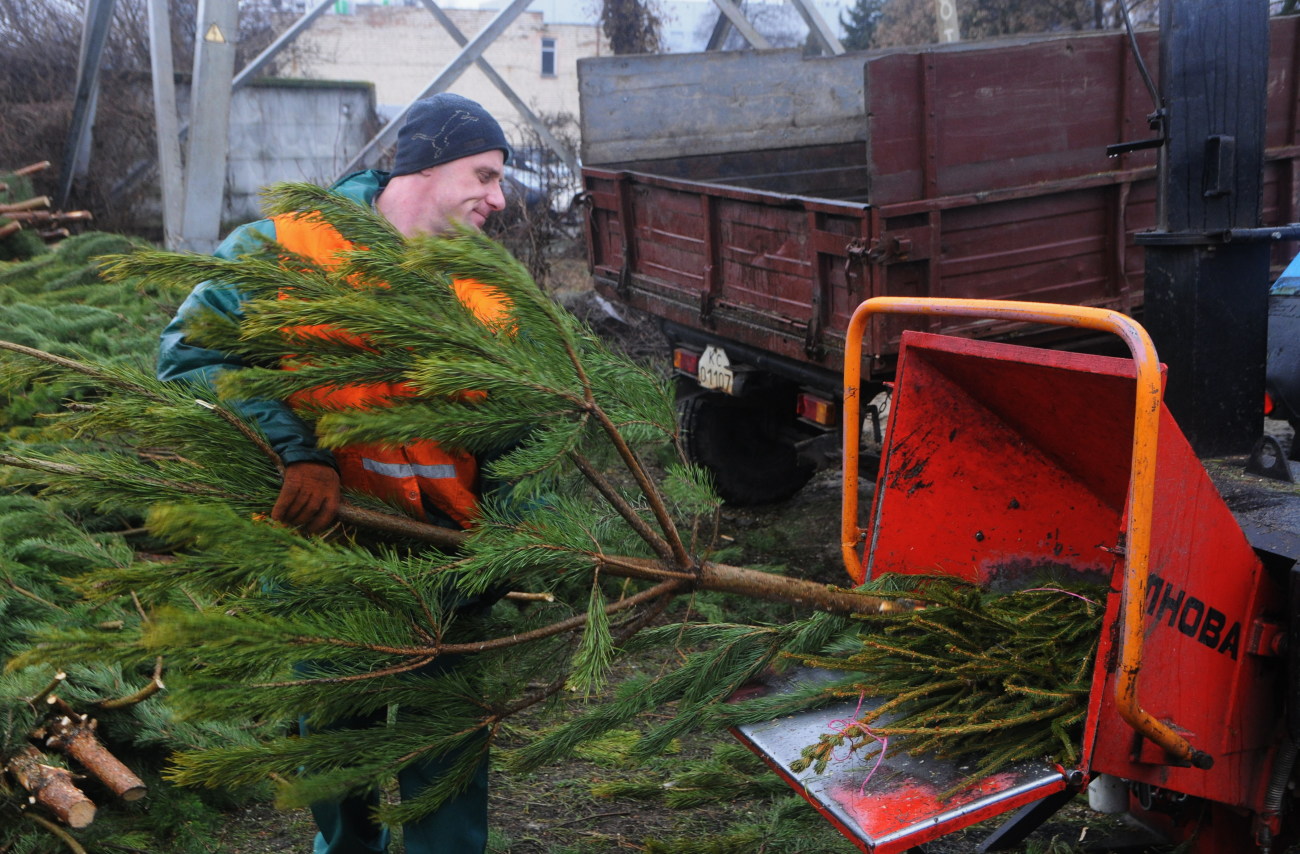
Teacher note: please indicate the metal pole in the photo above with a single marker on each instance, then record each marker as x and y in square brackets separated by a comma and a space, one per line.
[209, 140]
[539, 127]
[94, 32]
[821, 31]
[721, 27]
[141, 168]
[170, 175]
[1206, 302]
[732, 14]
[264, 58]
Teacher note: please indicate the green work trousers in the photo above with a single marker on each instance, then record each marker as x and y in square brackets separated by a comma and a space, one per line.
[459, 826]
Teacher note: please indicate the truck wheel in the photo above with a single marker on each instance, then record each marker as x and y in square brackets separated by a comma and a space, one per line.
[739, 443]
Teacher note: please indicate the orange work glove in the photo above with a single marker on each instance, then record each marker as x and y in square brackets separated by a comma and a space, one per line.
[309, 497]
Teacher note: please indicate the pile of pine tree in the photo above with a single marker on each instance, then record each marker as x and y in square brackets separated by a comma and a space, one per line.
[81, 739]
[589, 557]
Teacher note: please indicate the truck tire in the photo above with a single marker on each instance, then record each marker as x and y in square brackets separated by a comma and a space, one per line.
[739, 443]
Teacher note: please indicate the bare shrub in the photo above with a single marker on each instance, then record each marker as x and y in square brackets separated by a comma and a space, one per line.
[541, 221]
[38, 71]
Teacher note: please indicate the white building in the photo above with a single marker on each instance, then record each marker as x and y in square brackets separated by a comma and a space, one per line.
[402, 48]
[399, 47]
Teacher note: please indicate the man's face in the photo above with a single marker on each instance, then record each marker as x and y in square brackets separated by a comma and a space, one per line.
[466, 190]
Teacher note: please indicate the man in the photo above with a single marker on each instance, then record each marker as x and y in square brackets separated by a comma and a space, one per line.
[447, 171]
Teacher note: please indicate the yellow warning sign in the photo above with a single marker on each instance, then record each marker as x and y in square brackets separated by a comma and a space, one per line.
[214, 35]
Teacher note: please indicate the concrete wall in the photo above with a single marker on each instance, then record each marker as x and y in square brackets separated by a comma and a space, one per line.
[402, 49]
[290, 131]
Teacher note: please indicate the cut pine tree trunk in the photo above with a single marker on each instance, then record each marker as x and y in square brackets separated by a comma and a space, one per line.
[51, 788]
[74, 735]
[707, 576]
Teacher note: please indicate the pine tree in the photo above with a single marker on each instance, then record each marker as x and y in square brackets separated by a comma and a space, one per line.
[632, 26]
[56, 301]
[604, 526]
[246, 605]
[863, 17]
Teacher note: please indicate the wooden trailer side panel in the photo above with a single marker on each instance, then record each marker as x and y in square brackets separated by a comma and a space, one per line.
[772, 271]
[985, 170]
[950, 123]
[1071, 242]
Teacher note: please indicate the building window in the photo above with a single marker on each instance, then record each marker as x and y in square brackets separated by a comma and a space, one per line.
[548, 57]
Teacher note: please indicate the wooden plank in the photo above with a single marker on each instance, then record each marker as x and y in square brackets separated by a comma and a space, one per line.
[987, 125]
[831, 171]
[648, 107]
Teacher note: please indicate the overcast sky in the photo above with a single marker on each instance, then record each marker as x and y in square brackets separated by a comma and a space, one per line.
[682, 17]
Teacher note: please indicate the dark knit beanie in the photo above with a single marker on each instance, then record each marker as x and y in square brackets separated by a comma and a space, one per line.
[442, 128]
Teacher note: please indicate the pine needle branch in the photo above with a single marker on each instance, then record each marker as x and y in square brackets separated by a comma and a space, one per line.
[656, 604]
[653, 496]
[69, 470]
[426, 654]
[677, 548]
[103, 376]
[29, 594]
[62, 835]
[987, 695]
[258, 440]
[380, 673]
[116, 380]
[622, 507]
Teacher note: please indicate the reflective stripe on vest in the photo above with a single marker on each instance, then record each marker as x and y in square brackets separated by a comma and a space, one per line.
[437, 472]
[414, 473]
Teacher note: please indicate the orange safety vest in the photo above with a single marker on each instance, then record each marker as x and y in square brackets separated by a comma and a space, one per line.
[413, 473]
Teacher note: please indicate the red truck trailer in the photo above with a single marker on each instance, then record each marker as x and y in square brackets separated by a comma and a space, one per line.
[750, 200]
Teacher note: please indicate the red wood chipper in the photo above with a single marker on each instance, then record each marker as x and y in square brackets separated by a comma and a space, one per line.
[1003, 462]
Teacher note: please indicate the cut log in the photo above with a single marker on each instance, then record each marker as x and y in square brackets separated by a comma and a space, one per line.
[38, 217]
[51, 788]
[33, 168]
[520, 596]
[35, 203]
[74, 735]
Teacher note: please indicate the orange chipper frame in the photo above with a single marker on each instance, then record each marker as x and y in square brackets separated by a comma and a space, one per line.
[1146, 425]
[1007, 465]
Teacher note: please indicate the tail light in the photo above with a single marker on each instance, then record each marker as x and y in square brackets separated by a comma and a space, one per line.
[686, 360]
[817, 408]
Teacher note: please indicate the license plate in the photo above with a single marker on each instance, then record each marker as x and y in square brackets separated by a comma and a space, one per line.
[715, 370]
